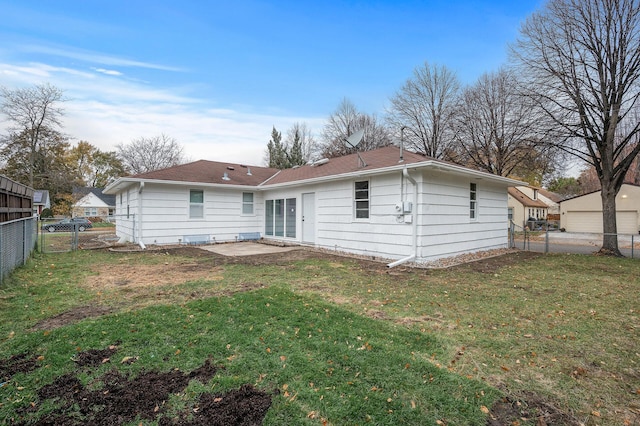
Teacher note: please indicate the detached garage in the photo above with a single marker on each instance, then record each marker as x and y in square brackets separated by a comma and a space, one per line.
[584, 213]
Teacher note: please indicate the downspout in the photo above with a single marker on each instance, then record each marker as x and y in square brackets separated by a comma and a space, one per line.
[414, 223]
[140, 243]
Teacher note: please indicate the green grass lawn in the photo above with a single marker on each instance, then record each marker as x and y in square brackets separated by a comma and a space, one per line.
[339, 341]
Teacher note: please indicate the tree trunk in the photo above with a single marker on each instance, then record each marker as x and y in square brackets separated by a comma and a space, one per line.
[609, 225]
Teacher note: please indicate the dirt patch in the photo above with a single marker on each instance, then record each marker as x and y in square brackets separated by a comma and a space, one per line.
[132, 276]
[95, 357]
[513, 409]
[22, 363]
[115, 398]
[72, 316]
[244, 406]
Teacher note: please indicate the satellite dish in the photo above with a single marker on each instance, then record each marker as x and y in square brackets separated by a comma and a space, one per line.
[355, 139]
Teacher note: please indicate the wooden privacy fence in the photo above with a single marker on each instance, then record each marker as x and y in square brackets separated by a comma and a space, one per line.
[18, 226]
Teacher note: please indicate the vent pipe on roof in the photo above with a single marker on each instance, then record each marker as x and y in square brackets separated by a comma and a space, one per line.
[249, 171]
[320, 162]
[402, 144]
[225, 176]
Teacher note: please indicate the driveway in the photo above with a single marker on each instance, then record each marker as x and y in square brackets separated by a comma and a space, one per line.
[565, 242]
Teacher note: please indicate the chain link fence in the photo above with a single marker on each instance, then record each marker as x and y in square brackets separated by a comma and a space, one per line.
[546, 237]
[17, 241]
[62, 235]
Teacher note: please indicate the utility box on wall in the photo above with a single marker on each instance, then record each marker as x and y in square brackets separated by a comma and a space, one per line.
[403, 207]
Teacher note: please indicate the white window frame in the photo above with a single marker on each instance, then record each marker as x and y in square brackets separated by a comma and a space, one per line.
[248, 208]
[473, 201]
[279, 222]
[90, 212]
[359, 191]
[196, 208]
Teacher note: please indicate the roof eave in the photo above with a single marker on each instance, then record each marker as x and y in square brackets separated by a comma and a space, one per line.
[122, 183]
[436, 165]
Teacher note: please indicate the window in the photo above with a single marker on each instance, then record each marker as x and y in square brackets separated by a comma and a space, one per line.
[510, 213]
[473, 201]
[90, 211]
[362, 199]
[247, 203]
[196, 204]
[280, 218]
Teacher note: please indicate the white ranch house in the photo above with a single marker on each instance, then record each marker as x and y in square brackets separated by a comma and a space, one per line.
[386, 204]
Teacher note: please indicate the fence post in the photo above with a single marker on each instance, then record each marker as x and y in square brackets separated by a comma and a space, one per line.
[74, 243]
[1, 253]
[546, 240]
[24, 242]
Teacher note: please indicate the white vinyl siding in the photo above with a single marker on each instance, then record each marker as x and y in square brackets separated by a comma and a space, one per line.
[166, 206]
[445, 228]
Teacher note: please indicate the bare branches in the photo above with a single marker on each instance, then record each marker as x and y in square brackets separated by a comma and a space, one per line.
[424, 107]
[345, 121]
[146, 154]
[498, 130]
[582, 62]
[32, 111]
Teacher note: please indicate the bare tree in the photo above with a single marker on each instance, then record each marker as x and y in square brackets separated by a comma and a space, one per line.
[424, 107]
[497, 130]
[582, 60]
[146, 154]
[32, 111]
[345, 121]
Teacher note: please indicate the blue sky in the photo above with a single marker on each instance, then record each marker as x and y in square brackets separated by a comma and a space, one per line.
[217, 75]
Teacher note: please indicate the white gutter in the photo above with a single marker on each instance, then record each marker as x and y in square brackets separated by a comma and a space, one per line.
[139, 216]
[414, 223]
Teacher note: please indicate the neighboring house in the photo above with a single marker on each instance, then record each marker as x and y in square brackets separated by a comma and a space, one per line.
[584, 213]
[524, 204]
[552, 200]
[41, 201]
[375, 203]
[92, 202]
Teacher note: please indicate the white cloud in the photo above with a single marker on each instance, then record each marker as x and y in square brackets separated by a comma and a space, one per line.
[107, 111]
[94, 57]
[107, 72]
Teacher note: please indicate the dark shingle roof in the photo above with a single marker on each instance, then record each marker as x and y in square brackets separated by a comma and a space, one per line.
[377, 159]
[212, 172]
